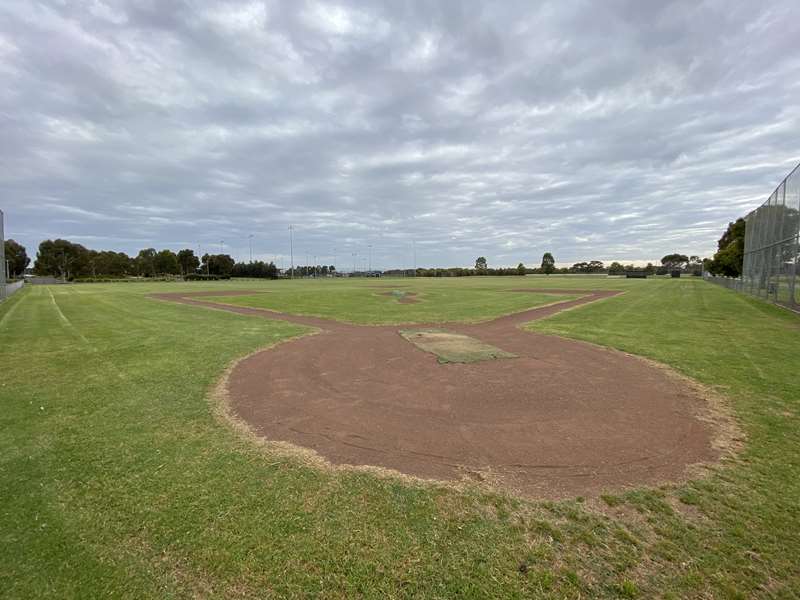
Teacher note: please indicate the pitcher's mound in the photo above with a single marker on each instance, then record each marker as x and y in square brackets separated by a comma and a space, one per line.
[452, 347]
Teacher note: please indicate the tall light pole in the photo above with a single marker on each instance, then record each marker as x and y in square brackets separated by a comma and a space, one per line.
[291, 249]
[354, 262]
[315, 266]
[414, 246]
[250, 239]
[370, 258]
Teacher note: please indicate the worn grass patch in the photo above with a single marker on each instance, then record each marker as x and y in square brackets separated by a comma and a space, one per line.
[452, 347]
[402, 296]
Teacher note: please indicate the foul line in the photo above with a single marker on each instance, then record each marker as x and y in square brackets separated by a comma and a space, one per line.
[66, 321]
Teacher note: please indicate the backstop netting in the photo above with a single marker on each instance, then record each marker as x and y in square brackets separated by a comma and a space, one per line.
[772, 236]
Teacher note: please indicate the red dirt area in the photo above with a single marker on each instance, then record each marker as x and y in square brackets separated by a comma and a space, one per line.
[565, 418]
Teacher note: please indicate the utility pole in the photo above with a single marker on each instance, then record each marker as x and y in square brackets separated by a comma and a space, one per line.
[250, 239]
[370, 258]
[315, 266]
[414, 245]
[291, 249]
[354, 262]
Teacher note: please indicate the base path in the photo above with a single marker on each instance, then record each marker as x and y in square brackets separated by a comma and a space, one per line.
[564, 418]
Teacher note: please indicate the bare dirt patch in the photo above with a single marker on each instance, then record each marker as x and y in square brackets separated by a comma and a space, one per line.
[453, 347]
[565, 418]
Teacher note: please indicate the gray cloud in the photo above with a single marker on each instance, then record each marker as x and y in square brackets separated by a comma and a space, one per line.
[615, 130]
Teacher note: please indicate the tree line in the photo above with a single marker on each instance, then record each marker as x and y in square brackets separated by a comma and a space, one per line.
[71, 261]
[64, 259]
[17, 258]
[669, 263]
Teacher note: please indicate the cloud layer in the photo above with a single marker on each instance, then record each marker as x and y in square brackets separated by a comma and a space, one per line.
[613, 130]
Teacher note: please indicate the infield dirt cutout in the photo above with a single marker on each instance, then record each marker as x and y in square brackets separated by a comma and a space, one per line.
[563, 418]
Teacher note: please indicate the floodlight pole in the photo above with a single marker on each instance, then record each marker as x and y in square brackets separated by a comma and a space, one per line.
[250, 238]
[414, 246]
[370, 258]
[291, 249]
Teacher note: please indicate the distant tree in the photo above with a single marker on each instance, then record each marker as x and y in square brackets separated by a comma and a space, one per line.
[256, 268]
[595, 266]
[521, 269]
[729, 257]
[480, 265]
[61, 258]
[674, 262]
[146, 262]
[109, 263]
[616, 269]
[166, 263]
[695, 265]
[579, 267]
[187, 261]
[17, 258]
[218, 264]
[548, 263]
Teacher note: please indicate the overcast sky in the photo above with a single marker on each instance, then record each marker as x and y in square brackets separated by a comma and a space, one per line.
[595, 130]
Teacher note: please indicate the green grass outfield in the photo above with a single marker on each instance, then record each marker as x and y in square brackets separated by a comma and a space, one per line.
[371, 302]
[117, 480]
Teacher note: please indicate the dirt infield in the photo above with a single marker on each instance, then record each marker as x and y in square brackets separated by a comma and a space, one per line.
[564, 418]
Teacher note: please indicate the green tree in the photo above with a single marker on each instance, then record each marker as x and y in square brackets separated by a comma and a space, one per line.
[521, 269]
[218, 264]
[61, 258]
[166, 263]
[616, 268]
[114, 264]
[675, 262]
[548, 263]
[146, 262]
[187, 261]
[729, 257]
[480, 264]
[17, 258]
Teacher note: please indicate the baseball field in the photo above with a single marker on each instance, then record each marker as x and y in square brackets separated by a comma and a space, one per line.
[428, 438]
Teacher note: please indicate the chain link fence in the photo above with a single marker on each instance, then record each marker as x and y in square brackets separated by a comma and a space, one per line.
[772, 238]
[729, 282]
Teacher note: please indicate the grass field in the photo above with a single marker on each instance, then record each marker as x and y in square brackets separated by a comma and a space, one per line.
[117, 479]
[371, 302]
